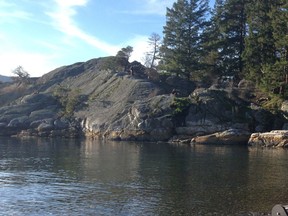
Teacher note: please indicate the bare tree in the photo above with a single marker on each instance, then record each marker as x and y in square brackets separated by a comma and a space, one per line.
[22, 75]
[154, 42]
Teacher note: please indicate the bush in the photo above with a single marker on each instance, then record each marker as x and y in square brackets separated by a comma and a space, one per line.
[180, 105]
[69, 99]
[113, 63]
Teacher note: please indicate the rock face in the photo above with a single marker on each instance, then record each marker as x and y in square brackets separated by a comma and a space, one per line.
[112, 103]
[114, 99]
[148, 119]
[213, 111]
[33, 115]
[276, 138]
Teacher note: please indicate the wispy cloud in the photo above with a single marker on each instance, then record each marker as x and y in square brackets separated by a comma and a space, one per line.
[10, 11]
[63, 21]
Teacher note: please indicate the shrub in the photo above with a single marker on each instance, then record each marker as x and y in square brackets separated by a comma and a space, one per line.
[180, 105]
[69, 99]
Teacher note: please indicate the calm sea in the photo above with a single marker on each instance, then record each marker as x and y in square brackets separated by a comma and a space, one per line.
[90, 177]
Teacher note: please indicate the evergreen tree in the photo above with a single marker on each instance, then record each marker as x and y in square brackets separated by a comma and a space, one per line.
[212, 43]
[260, 43]
[182, 46]
[125, 52]
[279, 20]
[232, 27]
[225, 39]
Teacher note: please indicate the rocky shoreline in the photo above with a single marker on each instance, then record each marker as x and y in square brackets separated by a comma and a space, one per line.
[94, 99]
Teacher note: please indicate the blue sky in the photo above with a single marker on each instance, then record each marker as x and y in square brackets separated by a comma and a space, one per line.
[41, 35]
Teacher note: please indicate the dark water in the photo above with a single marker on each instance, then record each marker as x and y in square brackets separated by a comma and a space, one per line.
[72, 177]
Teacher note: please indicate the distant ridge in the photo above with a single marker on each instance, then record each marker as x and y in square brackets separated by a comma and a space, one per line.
[5, 79]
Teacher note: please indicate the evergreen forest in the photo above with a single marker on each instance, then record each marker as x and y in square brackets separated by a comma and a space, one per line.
[240, 39]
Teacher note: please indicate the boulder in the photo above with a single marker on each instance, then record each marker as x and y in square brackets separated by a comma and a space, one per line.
[275, 138]
[45, 126]
[284, 106]
[61, 123]
[263, 120]
[228, 137]
[3, 124]
[18, 122]
[42, 114]
[38, 98]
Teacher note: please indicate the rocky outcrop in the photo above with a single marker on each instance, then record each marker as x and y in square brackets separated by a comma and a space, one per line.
[228, 137]
[113, 99]
[213, 111]
[35, 115]
[275, 138]
[149, 119]
[114, 103]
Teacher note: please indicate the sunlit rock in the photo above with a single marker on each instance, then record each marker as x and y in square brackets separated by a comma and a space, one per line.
[275, 138]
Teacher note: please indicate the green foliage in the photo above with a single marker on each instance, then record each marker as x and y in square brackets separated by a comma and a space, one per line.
[182, 45]
[274, 104]
[125, 52]
[244, 39]
[266, 52]
[224, 39]
[260, 44]
[114, 63]
[69, 99]
[273, 77]
[180, 105]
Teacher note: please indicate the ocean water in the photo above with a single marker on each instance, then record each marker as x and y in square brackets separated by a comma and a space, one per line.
[91, 177]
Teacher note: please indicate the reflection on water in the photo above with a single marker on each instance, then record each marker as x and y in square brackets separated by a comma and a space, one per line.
[86, 177]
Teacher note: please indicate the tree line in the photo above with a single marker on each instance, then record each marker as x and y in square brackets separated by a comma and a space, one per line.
[237, 38]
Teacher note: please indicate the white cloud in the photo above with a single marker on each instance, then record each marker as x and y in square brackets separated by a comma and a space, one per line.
[140, 47]
[36, 64]
[63, 21]
[52, 51]
[15, 14]
[69, 3]
[10, 10]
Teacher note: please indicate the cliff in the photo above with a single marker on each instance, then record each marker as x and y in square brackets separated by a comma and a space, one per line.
[114, 99]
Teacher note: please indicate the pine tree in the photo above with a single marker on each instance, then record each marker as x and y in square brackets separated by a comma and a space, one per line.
[259, 43]
[182, 46]
[232, 26]
[279, 20]
[125, 52]
[212, 39]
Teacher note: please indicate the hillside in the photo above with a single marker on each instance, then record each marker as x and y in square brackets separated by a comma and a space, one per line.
[114, 99]
[5, 79]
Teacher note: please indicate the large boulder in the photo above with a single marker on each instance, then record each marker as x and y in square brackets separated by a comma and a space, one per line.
[228, 137]
[275, 138]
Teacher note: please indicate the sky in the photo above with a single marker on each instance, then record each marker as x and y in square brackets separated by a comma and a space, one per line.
[41, 35]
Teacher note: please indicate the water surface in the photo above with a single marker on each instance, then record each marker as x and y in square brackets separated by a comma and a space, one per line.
[85, 177]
